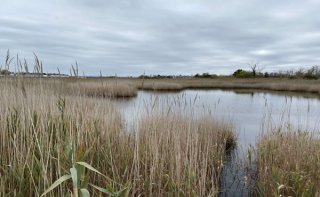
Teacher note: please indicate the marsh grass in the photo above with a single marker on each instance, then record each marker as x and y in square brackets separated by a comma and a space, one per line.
[178, 84]
[104, 90]
[128, 87]
[36, 127]
[165, 155]
[160, 86]
[182, 156]
[288, 164]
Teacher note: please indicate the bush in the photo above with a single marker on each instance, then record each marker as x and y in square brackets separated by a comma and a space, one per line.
[242, 74]
[309, 76]
[205, 75]
[5, 72]
[312, 73]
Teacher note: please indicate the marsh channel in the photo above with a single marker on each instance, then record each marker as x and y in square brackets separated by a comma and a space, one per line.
[251, 114]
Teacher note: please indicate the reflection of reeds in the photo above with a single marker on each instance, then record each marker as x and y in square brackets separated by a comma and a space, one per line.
[288, 164]
[170, 154]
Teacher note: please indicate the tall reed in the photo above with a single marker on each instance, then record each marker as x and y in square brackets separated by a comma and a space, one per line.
[165, 154]
[288, 164]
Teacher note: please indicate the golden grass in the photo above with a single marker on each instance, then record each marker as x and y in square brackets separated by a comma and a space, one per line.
[166, 155]
[128, 87]
[109, 90]
[36, 126]
[228, 83]
[288, 164]
[183, 156]
[292, 85]
[160, 86]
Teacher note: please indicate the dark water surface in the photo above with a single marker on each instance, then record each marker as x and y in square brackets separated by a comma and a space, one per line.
[250, 113]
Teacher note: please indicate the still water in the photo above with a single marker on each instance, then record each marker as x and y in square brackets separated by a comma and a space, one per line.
[250, 113]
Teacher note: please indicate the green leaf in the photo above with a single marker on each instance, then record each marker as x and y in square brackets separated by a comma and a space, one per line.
[89, 167]
[85, 192]
[103, 190]
[74, 177]
[81, 176]
[57, 183]
[95, 170]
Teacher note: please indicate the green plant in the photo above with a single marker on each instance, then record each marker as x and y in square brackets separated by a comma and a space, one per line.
[242, 74]
[80, 180]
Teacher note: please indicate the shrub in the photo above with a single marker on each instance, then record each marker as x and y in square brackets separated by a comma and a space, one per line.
[5, 72]
[242, 74]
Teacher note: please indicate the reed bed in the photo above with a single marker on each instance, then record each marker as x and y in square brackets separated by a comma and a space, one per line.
[182, 156]
[37, 128]
[289, 85]
[128, 87]
[288, 164]
[45, 130]
[104, 90]
[160, 86]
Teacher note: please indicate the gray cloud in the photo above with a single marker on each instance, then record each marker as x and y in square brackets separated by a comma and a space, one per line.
[130, 37]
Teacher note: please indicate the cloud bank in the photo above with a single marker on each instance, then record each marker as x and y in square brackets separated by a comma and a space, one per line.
[130, 37]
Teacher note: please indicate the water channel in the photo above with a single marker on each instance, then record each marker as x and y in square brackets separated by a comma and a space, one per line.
[250, 113]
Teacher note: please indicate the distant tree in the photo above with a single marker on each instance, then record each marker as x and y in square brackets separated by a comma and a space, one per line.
[205, 75]
[237, 72]
[313, 73]
[5, 72]
[300, 73]
[256, 69]
[144, 77]
[242, 74]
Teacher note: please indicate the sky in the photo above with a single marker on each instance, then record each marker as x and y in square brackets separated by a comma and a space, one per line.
[167, 37]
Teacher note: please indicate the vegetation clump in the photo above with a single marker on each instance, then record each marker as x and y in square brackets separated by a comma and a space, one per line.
[205, 75]
[186, 156]
[242, 74]
[288, 164]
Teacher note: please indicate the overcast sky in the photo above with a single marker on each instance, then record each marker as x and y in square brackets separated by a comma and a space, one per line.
[130, 37]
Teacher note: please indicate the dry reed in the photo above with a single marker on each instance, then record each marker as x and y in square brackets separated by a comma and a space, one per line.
[104, 90]
[288, 164]
[41, 121]
[290, 85]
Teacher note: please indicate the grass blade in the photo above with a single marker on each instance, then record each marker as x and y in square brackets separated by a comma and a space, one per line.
[103, 190]
[74, 177]
[57, 183]
[89, 167]
[95, 170]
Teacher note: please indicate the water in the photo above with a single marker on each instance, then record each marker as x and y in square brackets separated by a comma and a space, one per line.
[250, 113]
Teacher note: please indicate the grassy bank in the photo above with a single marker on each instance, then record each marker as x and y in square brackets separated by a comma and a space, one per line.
[128, 87]
[224, 83]
[291, 85]
[47, 125]
[288, 164]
